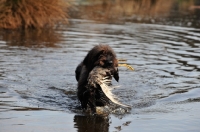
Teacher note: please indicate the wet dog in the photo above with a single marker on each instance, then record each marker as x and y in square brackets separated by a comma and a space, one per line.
[102, 56]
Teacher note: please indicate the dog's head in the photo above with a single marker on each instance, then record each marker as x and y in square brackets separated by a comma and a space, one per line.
[103, 56]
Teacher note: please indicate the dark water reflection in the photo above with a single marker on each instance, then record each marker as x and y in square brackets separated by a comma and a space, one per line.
[38, 87]
[91, 123]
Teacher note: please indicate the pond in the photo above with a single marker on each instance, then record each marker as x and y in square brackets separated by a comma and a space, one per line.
[162, 43]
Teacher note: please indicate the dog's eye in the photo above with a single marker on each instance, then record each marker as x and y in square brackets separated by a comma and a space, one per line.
[110, 62]
[100, 56]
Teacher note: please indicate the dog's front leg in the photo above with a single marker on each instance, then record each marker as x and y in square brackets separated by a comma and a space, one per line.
[85, 99]
[92, 101]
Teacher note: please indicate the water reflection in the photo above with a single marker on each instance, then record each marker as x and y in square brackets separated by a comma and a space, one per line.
[91, 123]
[31, 38]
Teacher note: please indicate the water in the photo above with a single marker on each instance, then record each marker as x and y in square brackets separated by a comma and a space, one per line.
[38, 86]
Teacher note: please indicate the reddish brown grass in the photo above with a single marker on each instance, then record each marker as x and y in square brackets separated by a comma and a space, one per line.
[32, 13]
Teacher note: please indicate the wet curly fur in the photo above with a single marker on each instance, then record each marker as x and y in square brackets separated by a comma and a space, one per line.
[100, 55]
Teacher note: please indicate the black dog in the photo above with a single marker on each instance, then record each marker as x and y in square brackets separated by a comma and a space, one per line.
[100, 55]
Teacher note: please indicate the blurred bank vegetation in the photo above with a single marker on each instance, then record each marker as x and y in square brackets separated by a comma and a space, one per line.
[118, 9]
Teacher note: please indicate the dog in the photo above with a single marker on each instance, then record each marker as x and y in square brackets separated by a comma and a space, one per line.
[102, 56]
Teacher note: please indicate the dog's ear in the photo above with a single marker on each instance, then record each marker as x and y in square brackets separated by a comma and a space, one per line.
[92, 57]
[115, 67]
[78, 71]
[88, 60]
[116, 74]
